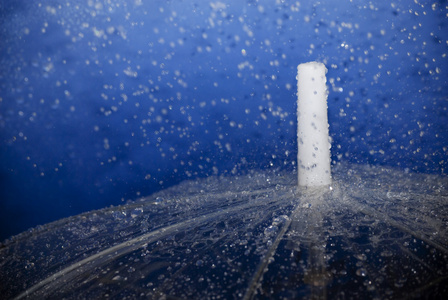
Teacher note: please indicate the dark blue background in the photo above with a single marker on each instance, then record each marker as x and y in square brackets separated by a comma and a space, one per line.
[105, 101]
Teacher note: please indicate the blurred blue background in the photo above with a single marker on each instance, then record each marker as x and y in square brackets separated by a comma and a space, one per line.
[106, 101]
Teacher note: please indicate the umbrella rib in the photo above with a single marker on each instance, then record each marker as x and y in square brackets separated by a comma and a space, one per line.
[253, 286]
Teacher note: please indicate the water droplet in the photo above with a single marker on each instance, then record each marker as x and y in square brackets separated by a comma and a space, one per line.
[158, 200]
[361, 272]
[270, 230]
[136, 212]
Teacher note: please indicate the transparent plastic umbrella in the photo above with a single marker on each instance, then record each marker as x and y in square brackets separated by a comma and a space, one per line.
[374, 233]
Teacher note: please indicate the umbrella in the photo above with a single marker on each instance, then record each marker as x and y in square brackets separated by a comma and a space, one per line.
[251, 236]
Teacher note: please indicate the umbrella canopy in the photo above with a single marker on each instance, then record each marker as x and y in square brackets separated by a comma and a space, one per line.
[374, 233]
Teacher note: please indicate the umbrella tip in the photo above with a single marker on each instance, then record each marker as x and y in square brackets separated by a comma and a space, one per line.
[313, 158]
